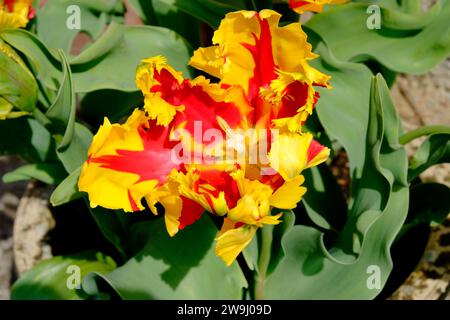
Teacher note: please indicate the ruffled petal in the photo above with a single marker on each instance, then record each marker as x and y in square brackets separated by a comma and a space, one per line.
[127, 162]
[211, 186]
[271, 64]
[317, 154]
[169, 98]
[291, 153]
[180, 212]
[289, 194]
[231, 242]
[15, 13]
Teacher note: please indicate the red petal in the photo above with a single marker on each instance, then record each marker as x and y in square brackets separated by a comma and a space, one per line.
[314, 149]
[265, 67]
[154, 162]
[190, 212]
[199, 105]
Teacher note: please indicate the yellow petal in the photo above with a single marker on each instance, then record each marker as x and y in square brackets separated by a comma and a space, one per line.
[231, 243]
[209, 60]
[289, 154]
[289, 194]
[172, 206]
[126, 163]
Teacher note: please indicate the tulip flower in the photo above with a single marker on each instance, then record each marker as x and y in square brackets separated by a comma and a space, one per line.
[15, 13]
[235, 149]
[301, 6]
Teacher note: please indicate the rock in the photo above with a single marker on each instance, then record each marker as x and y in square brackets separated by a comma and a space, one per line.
[6, 267]
[33, 222]
[9, 199]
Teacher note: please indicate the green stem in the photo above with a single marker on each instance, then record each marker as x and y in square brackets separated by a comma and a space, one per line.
[423, 131]
[254, 5]
[264, 260]
[41, 117]
[251, 5]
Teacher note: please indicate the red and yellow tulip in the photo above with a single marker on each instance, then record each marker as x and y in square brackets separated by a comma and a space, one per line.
[300, 6]
[15, 13]
[265, 86]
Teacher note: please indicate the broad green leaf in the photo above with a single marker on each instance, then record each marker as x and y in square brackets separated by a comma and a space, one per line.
[278, 252]
[109, 6]
[114, 225]
[385, 168]
[406, 42]
[56, 278]
[62, 112]
[209, 11]
[113, 104]
[45, 172]
[171, 17]
[429, 203]
[377, 214]
[405, 5]
[164, 14]
[434, 150]
[334, 108]
[324, 200]
[183, 267]
[110, 39]
[28, 138]
[76, 153]
[93, 18]
[116, 69]
[110, 62]
[67, 190]
[73, 138]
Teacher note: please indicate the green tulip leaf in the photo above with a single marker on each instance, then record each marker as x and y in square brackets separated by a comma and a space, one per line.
[429, 204]
[114, 225]
[358, 263]
[67, 190]
[116, 69]
[48, 173]
[59, 278]
[208, 11]
[434, 150]
[27, 138]
[183, 267]
[324, 200]
[56, 22]
[164, 14]
[62, 112]
[110, 62]
[405, 42]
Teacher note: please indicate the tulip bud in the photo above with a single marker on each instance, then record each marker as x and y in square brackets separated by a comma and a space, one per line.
[18, 86]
